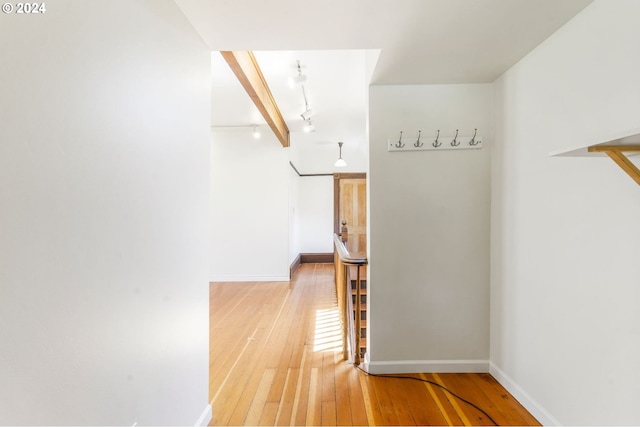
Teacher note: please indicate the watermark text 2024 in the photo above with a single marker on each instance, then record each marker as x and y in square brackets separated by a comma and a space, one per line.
[24, 8]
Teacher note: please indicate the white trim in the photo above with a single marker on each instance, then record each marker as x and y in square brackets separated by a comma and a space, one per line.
[249, 278]
[428, 366]
[205, 417]
[537, 410]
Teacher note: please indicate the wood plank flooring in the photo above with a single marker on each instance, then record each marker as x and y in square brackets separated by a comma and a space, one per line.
[276, 359]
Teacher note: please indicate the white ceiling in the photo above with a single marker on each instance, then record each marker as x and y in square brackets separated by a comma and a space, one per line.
[420, 42]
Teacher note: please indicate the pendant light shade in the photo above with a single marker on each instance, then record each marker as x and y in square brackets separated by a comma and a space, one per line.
[340, 162]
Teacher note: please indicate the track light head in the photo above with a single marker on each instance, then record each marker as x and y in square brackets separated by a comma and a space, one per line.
[297, 79]
[307, 114]
[308, 126]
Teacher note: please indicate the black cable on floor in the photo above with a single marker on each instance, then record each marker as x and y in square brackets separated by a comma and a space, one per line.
[437, 385]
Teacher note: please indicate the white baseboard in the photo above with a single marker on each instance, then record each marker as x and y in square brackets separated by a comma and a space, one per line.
[206, 417]
[537, 410]
[427, 366]
[249, 279]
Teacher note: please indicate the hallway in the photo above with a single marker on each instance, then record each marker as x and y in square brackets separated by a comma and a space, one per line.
[276, 359]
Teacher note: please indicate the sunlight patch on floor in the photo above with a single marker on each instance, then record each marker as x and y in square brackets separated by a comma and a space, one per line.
[327, 333]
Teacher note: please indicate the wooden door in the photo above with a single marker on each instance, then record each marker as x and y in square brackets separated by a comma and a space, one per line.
[352, 207]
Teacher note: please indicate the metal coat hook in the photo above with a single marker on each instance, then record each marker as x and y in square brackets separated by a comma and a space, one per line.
[455, 141]
[473, 139]
[437, 143]
[418, 144]
[399, 144]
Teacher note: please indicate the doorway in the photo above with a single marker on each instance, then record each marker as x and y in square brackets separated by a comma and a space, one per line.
[350, 205]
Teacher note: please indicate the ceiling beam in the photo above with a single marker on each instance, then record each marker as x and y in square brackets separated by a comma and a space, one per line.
[244, 65]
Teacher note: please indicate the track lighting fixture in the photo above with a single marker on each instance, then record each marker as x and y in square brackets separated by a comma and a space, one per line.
[340, 162]
[306, 115]
[297, 79]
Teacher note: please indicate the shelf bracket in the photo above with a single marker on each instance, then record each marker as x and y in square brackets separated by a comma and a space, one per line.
[616, 153]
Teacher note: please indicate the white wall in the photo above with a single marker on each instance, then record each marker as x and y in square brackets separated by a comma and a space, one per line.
[565, 273]
[316, 214]
[249, 207]
[104, 150]
[429, 232]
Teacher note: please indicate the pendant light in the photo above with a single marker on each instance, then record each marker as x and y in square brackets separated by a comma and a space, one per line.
[340, 162]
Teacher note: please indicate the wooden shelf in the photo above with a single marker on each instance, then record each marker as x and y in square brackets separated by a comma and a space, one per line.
[615, 147]
[626, 138]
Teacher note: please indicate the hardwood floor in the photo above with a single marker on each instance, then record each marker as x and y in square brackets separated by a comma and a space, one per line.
[276, 359]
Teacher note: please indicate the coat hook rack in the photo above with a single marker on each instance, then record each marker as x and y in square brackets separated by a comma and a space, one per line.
[418, 144]
[459, 141]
